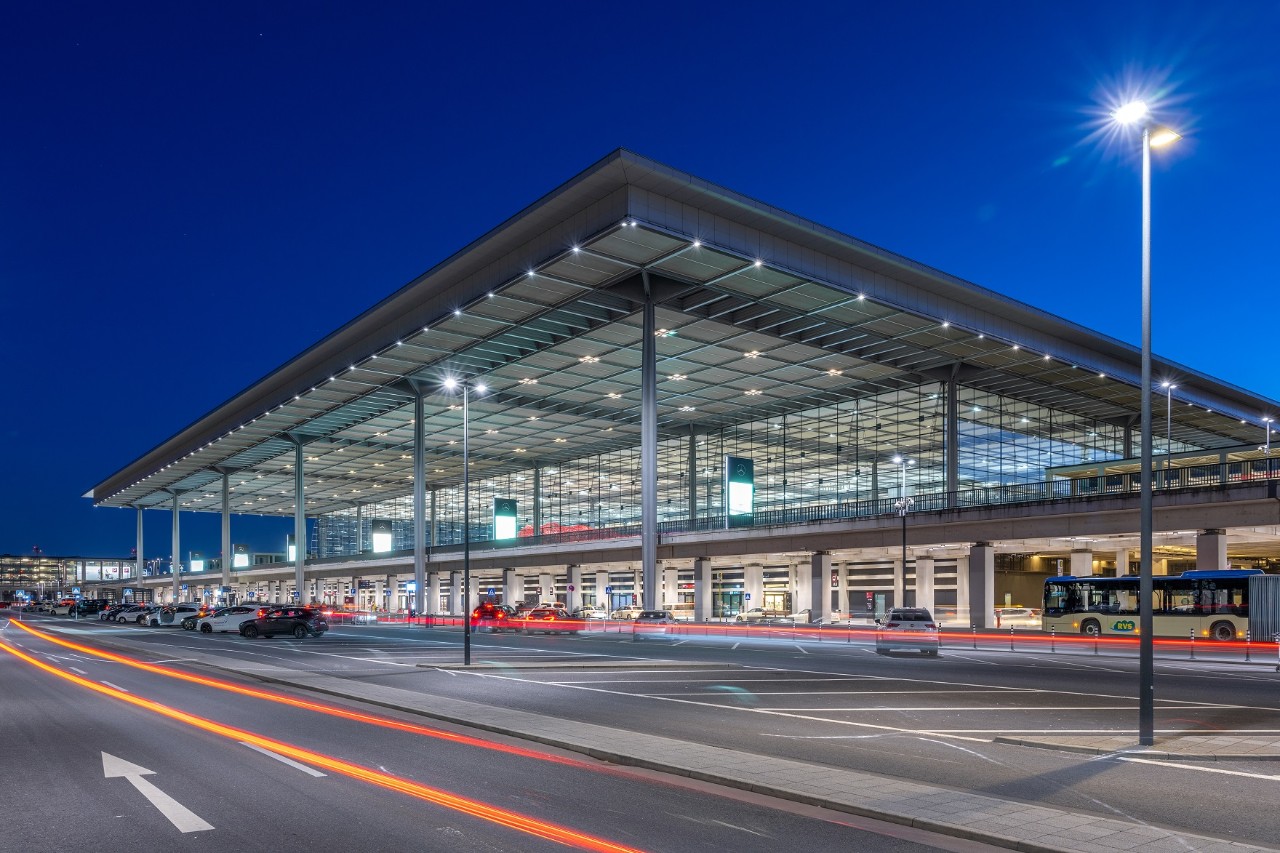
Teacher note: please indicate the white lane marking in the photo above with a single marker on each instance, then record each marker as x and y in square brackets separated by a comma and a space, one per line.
[77, 671]
[115, 686]
[941, 708]
[831, 693]
[1198, 767]
[311, 771]
[972, 752]
[801, 648]
[178, 814]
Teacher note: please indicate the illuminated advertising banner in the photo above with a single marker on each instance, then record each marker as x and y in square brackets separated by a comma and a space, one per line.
[504, 518]
[383, 539]
[740, 489]
[240, 556]
[196, 562]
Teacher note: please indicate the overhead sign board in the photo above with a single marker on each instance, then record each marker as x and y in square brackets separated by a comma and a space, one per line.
[740, 486]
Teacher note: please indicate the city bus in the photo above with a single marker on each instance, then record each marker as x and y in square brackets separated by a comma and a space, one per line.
[1212, 604]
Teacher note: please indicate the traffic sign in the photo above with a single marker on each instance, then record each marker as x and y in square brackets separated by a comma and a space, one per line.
[570, 587]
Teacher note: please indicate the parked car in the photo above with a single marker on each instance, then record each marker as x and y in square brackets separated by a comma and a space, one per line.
[626, 613]
[108, 614]
[494, 618]
[550, 620]
[298, 621]
[229, 618]
[1017, 617]
[133, 613]
[585, 613]
[910, 628]
[64, 607]
[759, 614]
[652, 622]
[171, 614]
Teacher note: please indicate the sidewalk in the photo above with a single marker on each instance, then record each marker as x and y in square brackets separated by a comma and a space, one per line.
[1003, 823]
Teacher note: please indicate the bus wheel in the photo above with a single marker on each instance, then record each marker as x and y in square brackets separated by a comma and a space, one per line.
[1090, 627]
[1223, 631]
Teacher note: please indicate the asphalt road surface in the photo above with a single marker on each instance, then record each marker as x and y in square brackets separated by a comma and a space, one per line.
[839, 704]
[87, 768]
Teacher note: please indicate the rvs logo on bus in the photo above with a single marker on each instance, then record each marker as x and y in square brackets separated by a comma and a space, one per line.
[1124, 625]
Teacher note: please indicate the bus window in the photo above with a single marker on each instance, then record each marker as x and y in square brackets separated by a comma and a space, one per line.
[1179, 597]
[1224, 596]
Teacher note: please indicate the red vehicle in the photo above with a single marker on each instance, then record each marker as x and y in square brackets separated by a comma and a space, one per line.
[550, 620]
[494, 618]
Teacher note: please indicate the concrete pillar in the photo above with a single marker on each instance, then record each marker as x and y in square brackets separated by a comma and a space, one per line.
[1081, 563]
[702, 590]
[390, 597]
[753, 586]
[473, 594]
[1211, 549]
[1122, 562]
[670, 587]
[455, 593]
[379, 594]
[815, 587]
[899, 582]
[924, 583]
[547, 582]
[982, 585]
[603, 601]
[512, 587]
[573, 588]
[433, 592]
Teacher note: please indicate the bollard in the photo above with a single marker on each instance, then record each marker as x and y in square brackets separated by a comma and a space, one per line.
[1010, 638]
[1053, 639]
[1277, 639]
[1095, 640]
[974, 629]
[1246, 644]
[1193, 644]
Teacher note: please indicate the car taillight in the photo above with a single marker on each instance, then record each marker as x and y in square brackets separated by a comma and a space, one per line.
[892, 624]
[931, 626]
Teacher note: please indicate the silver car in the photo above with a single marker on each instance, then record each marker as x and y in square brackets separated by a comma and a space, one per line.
[907, 628]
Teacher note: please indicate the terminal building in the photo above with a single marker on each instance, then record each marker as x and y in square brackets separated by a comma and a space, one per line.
[648, 389]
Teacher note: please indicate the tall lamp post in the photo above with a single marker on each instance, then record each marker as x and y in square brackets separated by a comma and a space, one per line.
[1168, 429]
[1137, 112]
[903, 505]
[467, 388]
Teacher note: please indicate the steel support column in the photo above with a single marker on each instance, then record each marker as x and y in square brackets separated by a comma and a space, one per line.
[649, 452]
[227, 556]
[537, 500]
[299, 516]
[691, 474]
[953, 440]
[139, 560]
[177, 549]
[419, 507]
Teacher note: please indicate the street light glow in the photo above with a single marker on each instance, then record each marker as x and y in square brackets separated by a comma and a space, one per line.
[1161, 136]
[1130, 113]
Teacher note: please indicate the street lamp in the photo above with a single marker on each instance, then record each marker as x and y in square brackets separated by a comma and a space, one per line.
[1168, 429]
[903, 505]
[1137, 112]
[467, 387]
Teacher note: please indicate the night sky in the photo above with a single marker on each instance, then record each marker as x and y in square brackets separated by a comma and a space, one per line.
[191, 194]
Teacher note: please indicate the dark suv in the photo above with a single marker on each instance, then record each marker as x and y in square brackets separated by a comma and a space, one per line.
[494, 618]
[298, 621]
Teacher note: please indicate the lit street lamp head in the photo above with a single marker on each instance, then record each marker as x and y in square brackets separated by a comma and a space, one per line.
[1131, 113]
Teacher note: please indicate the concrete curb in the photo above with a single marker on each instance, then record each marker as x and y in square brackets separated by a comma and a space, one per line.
[1155, 754]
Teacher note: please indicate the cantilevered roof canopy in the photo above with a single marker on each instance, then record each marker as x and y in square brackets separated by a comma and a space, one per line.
[760, 313]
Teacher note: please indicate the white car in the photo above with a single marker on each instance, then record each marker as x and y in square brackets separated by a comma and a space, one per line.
[228, 618]
[1017, 617]
[627, 613]
[910, 628]
[590, 613]
[134, 613]
[172, 615]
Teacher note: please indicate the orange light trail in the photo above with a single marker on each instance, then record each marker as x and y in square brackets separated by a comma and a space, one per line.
[318, 707]
[475, 808]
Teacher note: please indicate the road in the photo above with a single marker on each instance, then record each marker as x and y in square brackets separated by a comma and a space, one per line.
[230, 772]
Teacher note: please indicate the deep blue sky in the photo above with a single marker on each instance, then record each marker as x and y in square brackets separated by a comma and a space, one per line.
[192, 194]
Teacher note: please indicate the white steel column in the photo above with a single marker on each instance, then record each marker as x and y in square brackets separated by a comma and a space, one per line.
[512, 587]
[603, 600]
[419, 507]
[177, 550]
[433, 592]
[547, 583]
[899, 582]
[649, 452]
[670, 587]
[299, 516]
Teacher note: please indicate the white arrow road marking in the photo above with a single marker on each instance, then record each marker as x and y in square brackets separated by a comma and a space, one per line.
[115, 687]
[283, 760]
[178, 814]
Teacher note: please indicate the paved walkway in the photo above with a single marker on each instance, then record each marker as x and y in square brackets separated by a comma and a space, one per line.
[1004, 823]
